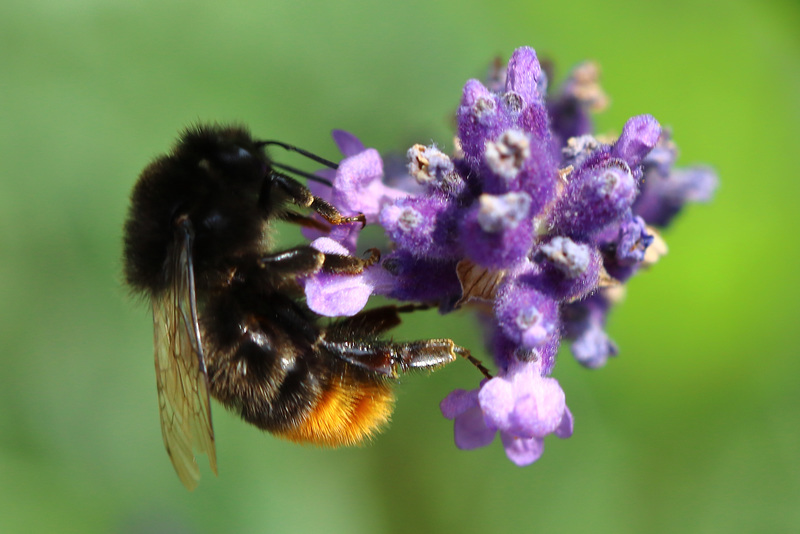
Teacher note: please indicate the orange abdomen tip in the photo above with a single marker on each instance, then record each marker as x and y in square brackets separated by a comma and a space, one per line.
[345, 414]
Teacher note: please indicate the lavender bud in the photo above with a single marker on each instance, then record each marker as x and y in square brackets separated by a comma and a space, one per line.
[579, 149]
[504, 212]
[581, 93]
[424, 226]
[506, 156]
[431, 167]
[422, 279]
[478, 119]
[498, 230]
[593, 348]
[583, 322]
[526, 316]
[569, 257]
[597, 196]
[565, 270]
[639, 135]
[513, 103]
[632, 242]
[524, 74]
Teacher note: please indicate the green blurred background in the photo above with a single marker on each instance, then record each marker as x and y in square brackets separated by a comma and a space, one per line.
[695, 427]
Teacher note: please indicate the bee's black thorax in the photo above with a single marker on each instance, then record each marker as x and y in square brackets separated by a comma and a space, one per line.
[215, 178]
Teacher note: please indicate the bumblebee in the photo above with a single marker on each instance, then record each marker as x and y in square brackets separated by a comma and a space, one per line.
[228, 311]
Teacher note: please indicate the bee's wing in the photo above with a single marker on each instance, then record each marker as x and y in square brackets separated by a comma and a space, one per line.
[181, 371]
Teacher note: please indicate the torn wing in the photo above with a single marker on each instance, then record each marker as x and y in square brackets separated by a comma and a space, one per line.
[181, 377]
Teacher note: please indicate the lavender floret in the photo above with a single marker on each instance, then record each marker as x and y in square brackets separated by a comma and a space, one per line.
[564, 269]
[521, 404]
[421, 279]
[425, 226]
[526, 316]
[600, 193]
[498, 229]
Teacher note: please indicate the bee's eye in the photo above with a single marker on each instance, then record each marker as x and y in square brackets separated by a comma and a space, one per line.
[235, 155]
[215, 221]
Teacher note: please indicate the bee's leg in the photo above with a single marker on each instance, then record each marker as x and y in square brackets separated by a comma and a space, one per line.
[299, 260]
[305, 221]
[389, 359]
[308, 260]
[300, 195]
[339, 264]
[372, 322]
[365, 324]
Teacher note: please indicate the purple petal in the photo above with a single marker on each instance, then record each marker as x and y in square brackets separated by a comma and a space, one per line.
[349, 144]
[564, 429]
[458, 402]
[323, 191]
[496, 398]
[337, 295]
[359, 170]
[358, 187]
[346, 235]
[522, 451]
[539, 408]
[470, 430]
[353, 178]
[329, 246]
[334, 295]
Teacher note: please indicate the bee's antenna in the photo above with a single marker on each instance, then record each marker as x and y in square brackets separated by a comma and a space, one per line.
[305, 153]
[304, 174]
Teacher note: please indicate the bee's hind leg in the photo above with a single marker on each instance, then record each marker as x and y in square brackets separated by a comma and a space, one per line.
[392, 358]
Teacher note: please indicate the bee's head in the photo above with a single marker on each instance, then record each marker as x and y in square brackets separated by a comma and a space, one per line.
[227, 152]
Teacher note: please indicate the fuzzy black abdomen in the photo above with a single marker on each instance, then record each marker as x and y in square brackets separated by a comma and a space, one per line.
[266, 362]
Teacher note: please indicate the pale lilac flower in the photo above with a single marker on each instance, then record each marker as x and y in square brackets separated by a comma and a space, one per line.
[521, 404]
[357, 189]
[335, 295]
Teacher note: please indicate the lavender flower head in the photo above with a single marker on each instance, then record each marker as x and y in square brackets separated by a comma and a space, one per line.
[534, 219]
